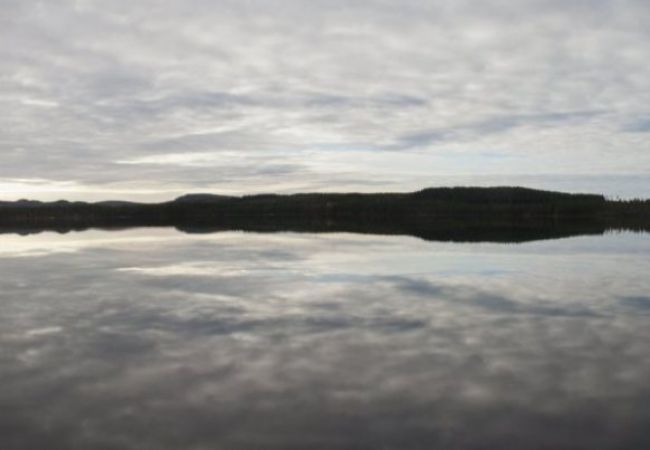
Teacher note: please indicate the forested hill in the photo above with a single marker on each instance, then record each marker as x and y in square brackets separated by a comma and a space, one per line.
[432, 210]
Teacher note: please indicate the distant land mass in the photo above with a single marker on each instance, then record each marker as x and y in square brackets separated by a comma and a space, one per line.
[497, 214]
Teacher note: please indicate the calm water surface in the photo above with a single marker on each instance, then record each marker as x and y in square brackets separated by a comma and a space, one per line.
[153, 339]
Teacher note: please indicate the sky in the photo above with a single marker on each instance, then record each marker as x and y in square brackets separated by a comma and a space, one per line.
[147, 100]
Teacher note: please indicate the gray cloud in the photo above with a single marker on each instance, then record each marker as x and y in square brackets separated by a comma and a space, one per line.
[640, 125]
[87, 84]
[496, 125]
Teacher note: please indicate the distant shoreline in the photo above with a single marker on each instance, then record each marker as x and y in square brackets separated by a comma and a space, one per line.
[508, 214]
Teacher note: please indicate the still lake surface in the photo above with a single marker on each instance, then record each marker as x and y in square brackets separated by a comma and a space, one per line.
[155, 339]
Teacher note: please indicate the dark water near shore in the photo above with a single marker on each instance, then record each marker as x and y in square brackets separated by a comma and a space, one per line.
[153, 339]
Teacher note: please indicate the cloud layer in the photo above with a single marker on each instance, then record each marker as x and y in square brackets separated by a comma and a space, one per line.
[152, 98]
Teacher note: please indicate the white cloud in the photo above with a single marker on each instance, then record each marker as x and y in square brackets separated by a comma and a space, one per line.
[556, 88]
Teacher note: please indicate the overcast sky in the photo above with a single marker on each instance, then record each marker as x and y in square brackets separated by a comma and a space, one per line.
[149, 99]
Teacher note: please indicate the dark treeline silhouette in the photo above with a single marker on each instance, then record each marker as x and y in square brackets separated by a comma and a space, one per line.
[501, 214]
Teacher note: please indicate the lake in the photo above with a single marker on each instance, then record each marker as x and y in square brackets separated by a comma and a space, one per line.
[156, 339]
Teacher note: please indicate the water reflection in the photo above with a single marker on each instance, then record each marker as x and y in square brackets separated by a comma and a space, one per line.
[152, 339]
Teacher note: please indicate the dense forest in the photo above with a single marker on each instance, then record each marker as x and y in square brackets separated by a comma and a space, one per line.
[462, 213]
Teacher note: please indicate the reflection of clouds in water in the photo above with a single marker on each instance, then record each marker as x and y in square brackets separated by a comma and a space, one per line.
[278, 341]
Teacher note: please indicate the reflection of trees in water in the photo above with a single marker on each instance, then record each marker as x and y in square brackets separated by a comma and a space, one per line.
[447, 214]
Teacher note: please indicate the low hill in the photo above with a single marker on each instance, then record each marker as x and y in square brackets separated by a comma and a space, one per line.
[431, 213]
